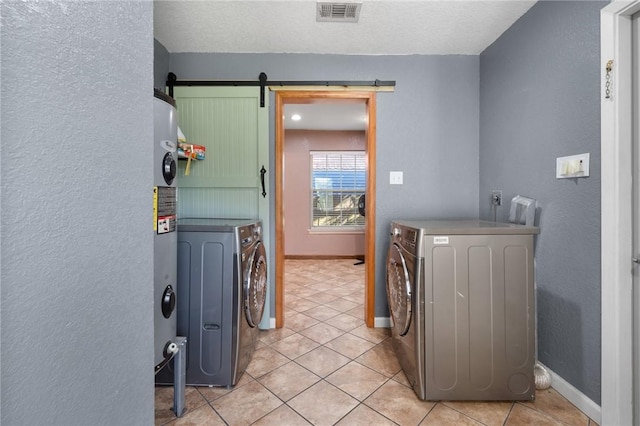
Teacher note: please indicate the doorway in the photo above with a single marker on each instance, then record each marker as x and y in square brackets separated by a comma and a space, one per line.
[311, 97]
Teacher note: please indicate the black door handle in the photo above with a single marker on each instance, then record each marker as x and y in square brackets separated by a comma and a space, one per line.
[262, 172]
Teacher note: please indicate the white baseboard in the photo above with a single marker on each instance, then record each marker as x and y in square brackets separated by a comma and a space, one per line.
[382, 322]
[577, 398]
[272, 324]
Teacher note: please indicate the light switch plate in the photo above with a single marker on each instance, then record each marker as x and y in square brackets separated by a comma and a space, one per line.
[572, 166]
[395, 178]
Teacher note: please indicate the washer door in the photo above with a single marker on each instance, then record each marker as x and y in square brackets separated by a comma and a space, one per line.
[255, 285]
[398, 290]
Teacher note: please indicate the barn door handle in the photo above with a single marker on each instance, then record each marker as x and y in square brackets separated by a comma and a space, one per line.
[262, 172]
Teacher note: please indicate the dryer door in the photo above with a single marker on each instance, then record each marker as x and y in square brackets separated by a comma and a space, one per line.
[398, 290]
[255, 285]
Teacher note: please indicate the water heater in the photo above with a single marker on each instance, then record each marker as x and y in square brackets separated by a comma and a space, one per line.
[165, 236]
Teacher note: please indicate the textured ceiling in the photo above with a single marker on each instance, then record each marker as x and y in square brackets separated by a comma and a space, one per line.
[385, 27]
[396, 27]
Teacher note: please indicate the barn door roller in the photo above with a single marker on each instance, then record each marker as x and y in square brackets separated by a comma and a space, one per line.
[263, 81]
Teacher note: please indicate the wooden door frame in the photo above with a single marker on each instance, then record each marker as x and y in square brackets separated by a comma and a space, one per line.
[301, 97]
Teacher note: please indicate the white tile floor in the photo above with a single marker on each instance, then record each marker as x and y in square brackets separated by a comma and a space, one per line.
[326, 367]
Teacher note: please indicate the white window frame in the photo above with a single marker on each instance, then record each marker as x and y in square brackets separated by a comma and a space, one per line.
[332, 229]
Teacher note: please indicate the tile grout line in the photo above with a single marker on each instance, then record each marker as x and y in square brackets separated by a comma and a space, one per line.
[324, 379]
[312, 278]
[508, 414]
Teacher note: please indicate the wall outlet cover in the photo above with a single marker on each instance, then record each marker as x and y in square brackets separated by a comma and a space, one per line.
[395, 178]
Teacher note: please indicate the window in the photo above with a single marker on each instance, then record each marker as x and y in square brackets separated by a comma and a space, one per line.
[338, 179]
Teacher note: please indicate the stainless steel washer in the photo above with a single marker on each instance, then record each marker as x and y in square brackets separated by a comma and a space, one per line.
[222, 286]
[461, 298]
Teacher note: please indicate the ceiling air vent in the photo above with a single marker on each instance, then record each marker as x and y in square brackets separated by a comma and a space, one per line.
[338, 12]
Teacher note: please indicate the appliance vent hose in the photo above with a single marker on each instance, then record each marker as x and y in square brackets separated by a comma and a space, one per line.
[541, 377]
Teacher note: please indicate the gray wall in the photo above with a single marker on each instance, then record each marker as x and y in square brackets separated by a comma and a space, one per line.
[427, 128]
[76, 236]
[539, 99]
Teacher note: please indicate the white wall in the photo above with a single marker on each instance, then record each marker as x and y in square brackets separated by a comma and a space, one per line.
[76, 225]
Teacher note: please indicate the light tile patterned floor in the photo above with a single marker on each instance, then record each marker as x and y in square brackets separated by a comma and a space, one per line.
[326, 367]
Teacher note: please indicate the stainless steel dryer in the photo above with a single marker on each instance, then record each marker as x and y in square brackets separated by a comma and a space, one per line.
[462, 303]
[222, 285]
[405, 294]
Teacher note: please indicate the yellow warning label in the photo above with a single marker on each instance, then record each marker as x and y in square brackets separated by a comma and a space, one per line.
[155, 208]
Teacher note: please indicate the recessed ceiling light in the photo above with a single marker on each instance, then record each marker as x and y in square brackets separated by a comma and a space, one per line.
[296, 117]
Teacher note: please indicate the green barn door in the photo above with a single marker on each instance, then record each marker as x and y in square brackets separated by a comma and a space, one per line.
[233, 127]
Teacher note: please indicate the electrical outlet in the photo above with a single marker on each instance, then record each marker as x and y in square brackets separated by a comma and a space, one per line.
[395, 178]
[496, 197]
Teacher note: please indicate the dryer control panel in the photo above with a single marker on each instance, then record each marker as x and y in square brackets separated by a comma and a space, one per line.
[405, 237]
